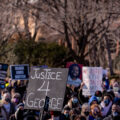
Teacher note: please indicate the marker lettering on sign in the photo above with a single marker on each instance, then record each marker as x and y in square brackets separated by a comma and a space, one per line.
[29, 103]
[55, 103]
[46, 75]
[46, 90]
[39, 103]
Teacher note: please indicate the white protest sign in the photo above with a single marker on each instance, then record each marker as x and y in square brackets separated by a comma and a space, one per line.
[92, 77]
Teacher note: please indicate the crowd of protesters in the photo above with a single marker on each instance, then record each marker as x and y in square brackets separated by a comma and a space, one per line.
[103, 105]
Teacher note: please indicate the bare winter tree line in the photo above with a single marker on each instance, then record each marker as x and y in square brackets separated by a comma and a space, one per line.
[91, 23]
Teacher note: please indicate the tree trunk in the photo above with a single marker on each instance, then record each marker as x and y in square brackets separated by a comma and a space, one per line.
[109, 56]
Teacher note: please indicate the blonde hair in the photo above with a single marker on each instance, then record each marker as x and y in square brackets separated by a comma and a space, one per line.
[85, 105]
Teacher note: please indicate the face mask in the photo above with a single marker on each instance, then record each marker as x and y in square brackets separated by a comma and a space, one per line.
[106, 102]
[86, 113]
[16, 100]
[115, 89]
[99, 99]
[114, 114]
[7, 99]
[2, 86]
[75, 100]
[66, 114]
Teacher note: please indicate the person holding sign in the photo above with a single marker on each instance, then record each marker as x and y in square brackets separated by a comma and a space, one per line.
[73, 77]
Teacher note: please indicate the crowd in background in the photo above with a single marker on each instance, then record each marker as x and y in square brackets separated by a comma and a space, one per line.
[103, 105]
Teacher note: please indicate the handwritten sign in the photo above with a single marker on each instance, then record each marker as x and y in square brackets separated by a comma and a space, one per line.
[92, 77]
[44, 82]
[19, 72]
[3, 71]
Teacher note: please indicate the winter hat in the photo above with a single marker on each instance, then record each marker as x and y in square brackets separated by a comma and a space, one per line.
[98, 93]
[93, 98]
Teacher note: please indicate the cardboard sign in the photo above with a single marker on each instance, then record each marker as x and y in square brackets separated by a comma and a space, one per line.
[19, 72]
[44, 82]
[3, 71]
[92, 77]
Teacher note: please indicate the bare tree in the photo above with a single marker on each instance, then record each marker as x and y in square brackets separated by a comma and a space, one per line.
[88, 22]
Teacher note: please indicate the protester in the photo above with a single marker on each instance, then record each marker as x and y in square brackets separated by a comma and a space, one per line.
[82, 99]
[85, 110]
[105, 80]
[102, 105]
[93, 100]
[66, 113]
[98, 95]
[8, 107]
[16, 99]
[95, 112]
[79, 117]
[55, 115]
[106, 105]
[73, 102]
[115, 114]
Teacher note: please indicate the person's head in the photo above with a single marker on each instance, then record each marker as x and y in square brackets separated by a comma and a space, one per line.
[3, 92]
[112, 81]
[93, 100]
[85, 109]
[79, 117]
[107, 99]
[116, 87]
[95, 110]
[73, 113]
[98, 95]
[74, 71]
[115, 111]
[6, 98]
[105, 84]
[16, 98]
[66, 112]
[74, 100]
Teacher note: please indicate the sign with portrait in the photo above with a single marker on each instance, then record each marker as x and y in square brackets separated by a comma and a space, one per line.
[75, 74]
[19, 72]
[50, 82]
[92, 78]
